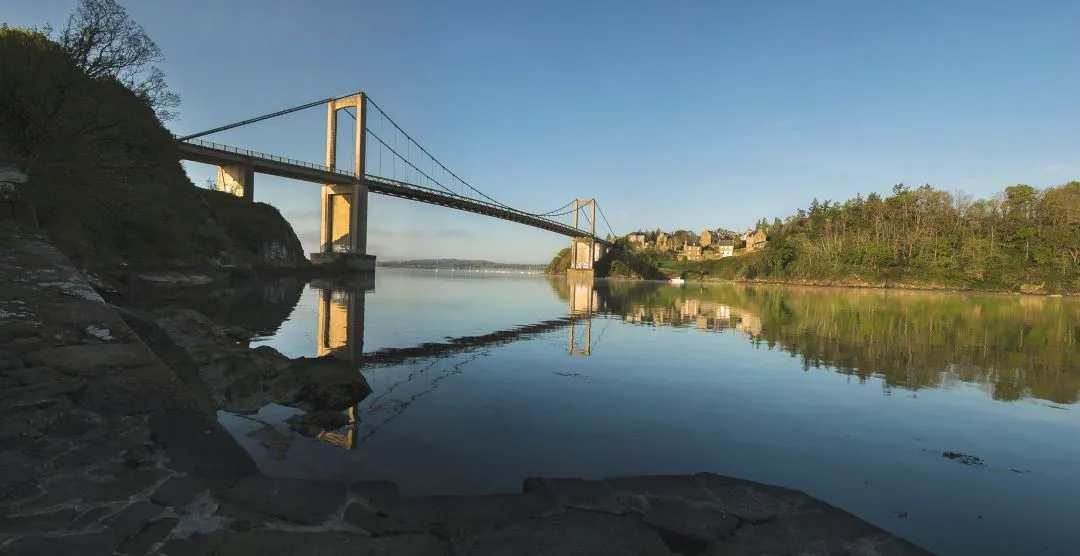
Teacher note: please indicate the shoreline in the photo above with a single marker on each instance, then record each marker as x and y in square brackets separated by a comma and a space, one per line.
[110, 443]
[841, 285]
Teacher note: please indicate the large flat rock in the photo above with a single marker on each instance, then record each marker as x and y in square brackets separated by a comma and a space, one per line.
[825, 533]
[575, 533]
[294, 500]
[290, 543]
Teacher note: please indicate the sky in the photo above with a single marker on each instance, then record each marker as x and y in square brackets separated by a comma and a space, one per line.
[672, 114]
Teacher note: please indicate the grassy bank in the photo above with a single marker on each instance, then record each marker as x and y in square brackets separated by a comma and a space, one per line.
[105, 177]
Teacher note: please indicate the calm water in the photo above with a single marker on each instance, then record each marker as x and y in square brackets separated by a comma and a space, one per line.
[851, 396]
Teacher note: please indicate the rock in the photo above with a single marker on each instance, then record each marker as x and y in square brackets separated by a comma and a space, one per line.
[577, 493]
[826, 533]
[96, 451]
[325, 543]
[756, 502]
[574, 533]
[298, 501]
[200, 447]
[487, 510]
[10, 174]
[131, 392]
[178, 492]
[133, 518]
[90, 544]
[681, 488]
[149, 536]
[32, 375]
[311, 424]
[69, 425]
[72, 359]
[328, 383]
[380, 495]
[689, 529]
[41, 395]
[90, 517]
[200, 544]
[376, 524]
[277, 445]
[9, 361]
[36, 523]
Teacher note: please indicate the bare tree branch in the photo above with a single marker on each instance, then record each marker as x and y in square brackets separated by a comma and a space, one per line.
[106, 43]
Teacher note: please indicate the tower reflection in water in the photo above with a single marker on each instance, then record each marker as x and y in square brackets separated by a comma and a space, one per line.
[340, 334]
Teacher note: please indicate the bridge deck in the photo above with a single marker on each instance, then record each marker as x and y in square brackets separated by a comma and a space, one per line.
[217, 154]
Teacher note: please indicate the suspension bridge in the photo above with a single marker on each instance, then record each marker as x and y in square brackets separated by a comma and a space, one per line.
[391, 163]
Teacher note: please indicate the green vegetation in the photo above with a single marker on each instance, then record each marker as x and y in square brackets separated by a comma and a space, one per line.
[560, 263]
[105, 177]
[619, 263]
[1013, 347]
[1023, 239]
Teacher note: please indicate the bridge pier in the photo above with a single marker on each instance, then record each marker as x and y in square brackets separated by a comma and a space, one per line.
[343, 233]
[237, 179]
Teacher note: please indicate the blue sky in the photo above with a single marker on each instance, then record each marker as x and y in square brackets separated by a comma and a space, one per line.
[672, 114]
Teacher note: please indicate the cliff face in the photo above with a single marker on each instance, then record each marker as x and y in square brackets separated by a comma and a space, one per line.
[105, 178]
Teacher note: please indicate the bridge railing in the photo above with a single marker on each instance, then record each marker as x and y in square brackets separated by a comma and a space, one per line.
[387, 181]
[495, 206]
[265, 156]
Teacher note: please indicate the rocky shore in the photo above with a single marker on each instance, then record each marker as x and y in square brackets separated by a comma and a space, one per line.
[109, 443]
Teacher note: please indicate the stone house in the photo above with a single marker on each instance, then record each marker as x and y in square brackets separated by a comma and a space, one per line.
[636, 241]
[708, 237]
[756, 241]
[725, 247]
[693, 252]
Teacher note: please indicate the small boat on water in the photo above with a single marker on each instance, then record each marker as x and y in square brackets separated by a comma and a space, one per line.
[676, 280]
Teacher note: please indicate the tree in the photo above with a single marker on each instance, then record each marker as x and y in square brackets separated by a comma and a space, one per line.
[107, 44]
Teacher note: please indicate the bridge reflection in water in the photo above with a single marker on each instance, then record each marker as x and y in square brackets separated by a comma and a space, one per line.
[340, 334]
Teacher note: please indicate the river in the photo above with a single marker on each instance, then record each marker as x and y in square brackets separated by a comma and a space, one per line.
[948, 419]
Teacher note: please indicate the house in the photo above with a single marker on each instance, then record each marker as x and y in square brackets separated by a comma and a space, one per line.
[661, 241]
[725, 247]
[708, 237]
[636, 241]
[692, 252]
[756, 241]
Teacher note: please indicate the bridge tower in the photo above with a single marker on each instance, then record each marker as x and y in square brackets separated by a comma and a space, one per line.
[584, 251]
[343, 226]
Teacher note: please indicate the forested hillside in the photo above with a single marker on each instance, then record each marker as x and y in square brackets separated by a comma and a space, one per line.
[1022, 239]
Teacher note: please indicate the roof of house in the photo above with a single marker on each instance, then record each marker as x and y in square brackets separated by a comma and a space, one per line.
[726, 242]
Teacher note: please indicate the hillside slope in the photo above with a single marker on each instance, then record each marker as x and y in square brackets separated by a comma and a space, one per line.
[105, 177]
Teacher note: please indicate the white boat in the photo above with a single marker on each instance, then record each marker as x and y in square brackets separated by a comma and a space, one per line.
[676, 280]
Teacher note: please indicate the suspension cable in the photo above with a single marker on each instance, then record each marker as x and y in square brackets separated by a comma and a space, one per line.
[610, 229]
[423, 150]
[260, 118]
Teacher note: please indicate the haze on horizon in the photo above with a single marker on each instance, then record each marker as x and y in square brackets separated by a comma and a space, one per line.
[687, 115]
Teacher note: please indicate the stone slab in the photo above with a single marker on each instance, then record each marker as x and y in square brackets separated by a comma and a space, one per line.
[289, 543]
[36, 523]
[72, 359]
[200, 447]
[488, 510]
[148, 536]
[577, 493]
[689, 529]
[823, 533]
[90, 544]
[575, 533]
[31, 375]
[294, 500]
[178, 491]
